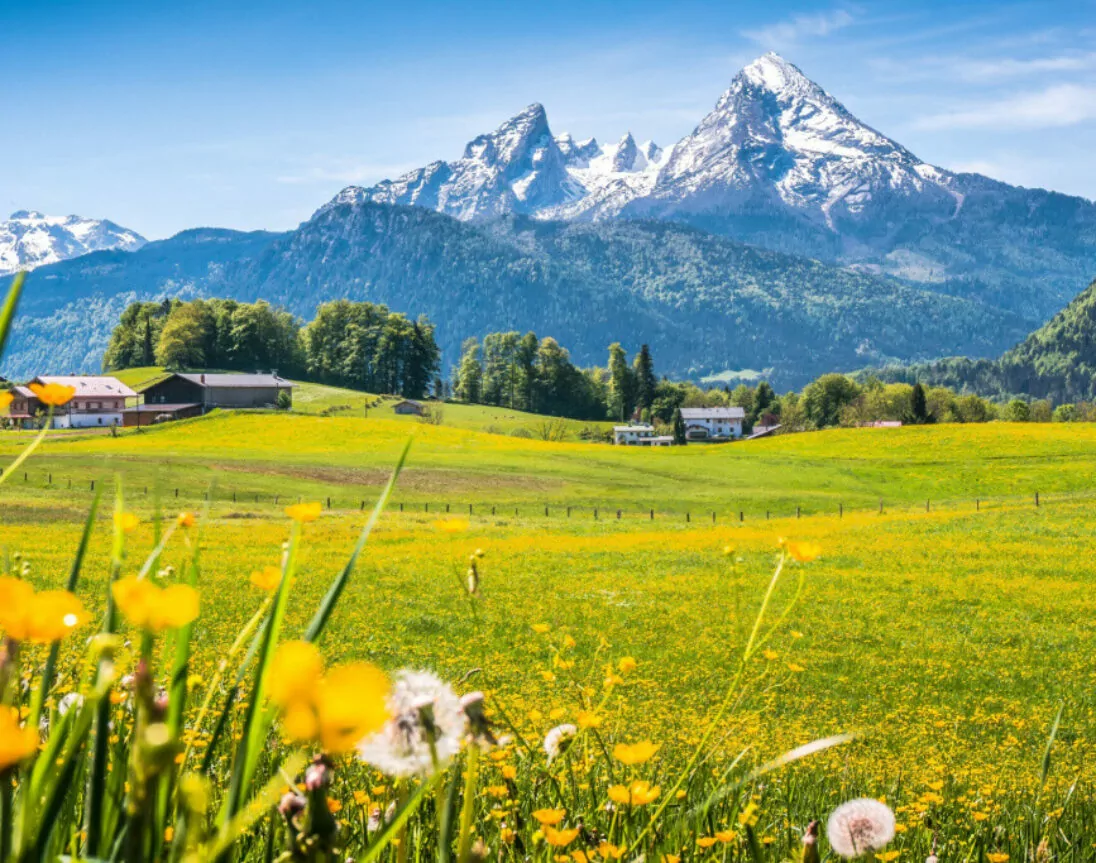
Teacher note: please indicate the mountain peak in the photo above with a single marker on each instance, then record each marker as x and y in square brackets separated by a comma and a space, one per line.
[31, 239]
[773, 72]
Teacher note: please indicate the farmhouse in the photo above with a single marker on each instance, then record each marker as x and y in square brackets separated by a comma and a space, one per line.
[209, 391]
[409, 406]
[99, 401]
[639, 434]
[713, 424]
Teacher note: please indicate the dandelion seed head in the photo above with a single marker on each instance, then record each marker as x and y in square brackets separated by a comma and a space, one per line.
[860, 826]
[425, 731]
[556, 740]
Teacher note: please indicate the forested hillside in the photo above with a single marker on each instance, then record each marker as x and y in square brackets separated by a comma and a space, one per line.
[1056, 362]
[705, 304]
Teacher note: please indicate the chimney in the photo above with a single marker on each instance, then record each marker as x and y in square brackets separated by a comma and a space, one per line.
[203, 377]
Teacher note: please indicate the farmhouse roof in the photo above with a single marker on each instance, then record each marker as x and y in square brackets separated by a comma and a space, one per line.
[222, 381]
[713, 413]
[90, 386]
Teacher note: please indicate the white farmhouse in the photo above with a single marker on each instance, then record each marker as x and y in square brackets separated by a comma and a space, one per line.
[713, 424]
[98, 401]
[639, 434]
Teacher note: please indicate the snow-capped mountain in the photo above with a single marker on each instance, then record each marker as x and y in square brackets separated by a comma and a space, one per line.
[518, 168]
[29, 239]
[777, 138]
[774, 138]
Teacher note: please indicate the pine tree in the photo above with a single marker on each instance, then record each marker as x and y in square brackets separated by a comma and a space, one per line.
[919, 407]
[679, 428]
[469, 383]
[621, 383]
[645, 380]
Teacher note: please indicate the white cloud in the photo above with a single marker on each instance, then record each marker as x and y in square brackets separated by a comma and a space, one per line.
[799, 27]
[1010, 67]
[1055, 107]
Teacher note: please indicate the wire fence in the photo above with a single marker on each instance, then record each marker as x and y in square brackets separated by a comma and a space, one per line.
[345, 499]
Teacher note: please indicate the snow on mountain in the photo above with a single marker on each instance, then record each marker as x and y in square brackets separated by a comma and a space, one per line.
[774, 139]
[518, 168]
[776, 136]
[30, 239]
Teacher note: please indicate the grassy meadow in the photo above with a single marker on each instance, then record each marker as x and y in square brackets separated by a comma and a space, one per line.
[946, 637]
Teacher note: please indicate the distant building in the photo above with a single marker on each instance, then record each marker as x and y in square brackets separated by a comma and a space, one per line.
[713, 424]
[98, 402]
[639, 434]
[208, 391]
[882, 424]
[410, 407]
[147, 415]
[763, 431]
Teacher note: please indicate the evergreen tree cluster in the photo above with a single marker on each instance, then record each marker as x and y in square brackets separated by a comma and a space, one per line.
[356, 345]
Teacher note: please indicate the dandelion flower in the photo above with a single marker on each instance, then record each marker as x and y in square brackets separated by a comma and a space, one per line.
[424, 732]
[186, 519]
[860, 826]
[54, 395]
[267, 578]
[451, 525]
[639, 793]
[6, 398]
[804, 552]
[16, 744]
[997, 857]
[636, 753]
[549, 817]
[304, 512]
[588, 719]
[558, 739]
[126, 521]
[627, 664]
[559, 838]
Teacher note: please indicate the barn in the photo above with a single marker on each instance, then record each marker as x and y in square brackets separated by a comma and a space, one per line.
[210, 391]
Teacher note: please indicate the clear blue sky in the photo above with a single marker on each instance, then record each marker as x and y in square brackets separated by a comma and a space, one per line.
[166, 115]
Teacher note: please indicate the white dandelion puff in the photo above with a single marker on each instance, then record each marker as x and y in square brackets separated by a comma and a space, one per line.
[860, 826]
[557, 740]
[425, 731]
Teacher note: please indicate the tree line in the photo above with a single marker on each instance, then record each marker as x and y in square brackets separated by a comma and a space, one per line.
[349, 344]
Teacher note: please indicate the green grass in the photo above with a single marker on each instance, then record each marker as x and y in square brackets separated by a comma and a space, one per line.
[949, 639]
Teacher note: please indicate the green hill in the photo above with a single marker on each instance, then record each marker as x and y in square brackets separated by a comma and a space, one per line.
[1056, 361]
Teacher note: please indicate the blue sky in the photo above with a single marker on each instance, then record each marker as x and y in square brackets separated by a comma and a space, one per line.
[167, 115]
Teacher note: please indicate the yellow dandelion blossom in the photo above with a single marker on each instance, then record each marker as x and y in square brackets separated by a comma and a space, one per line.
[17, 744]
[804, 552]
[636, 753]
[451, 525]
[304, 512]
[559, 838]
[549, 817]
[54, 395]
[267, 578]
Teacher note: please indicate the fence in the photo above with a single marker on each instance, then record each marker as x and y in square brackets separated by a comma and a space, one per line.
[693, 514]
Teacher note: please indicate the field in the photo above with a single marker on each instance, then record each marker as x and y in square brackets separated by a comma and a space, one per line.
[946, 628]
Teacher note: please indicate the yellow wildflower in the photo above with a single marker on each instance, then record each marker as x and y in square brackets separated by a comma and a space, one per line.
[16, 744]
[451, 525]
[37, 617]
[126, 521]
[550, 817]
[804, 552]
[54, 395]
[559, 838]
[304, 512]
[267, 578]
[636, 753]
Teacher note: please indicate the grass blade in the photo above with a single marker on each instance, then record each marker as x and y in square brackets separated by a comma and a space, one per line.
[7, 311]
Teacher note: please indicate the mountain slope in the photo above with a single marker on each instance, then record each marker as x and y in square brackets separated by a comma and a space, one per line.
[1057, 361]
[779, 162]
[29, 239]
[704, 303]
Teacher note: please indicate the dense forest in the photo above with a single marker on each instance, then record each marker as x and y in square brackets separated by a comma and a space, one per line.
[1057, 362]
[357, 345]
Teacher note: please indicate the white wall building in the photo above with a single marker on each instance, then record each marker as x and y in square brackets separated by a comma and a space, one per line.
[713, 424]
[98, 402]
[639, 434]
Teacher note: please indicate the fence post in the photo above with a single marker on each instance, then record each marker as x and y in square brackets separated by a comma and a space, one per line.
[545, 512]
[797, 510]
[688, 517]
[176, 492]
[329, 503]
[49, 481]
[741, 515]
[1036, 498]
[447, 508]
[766, 515]
[93, 485]
[652, 515]
[426, 507]
[928, 508]
[233, 495]
[568, 512]
[977, 505]
[713, 516]
[841, 510]
[880, 506]
[401, 507]
[24, 476]
[362, 507]
[618, 515]
[595, 513]
[70, 482]
[492, 510]
[469, 509]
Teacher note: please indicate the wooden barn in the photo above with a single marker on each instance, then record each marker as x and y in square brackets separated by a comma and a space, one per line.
[209, 391]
